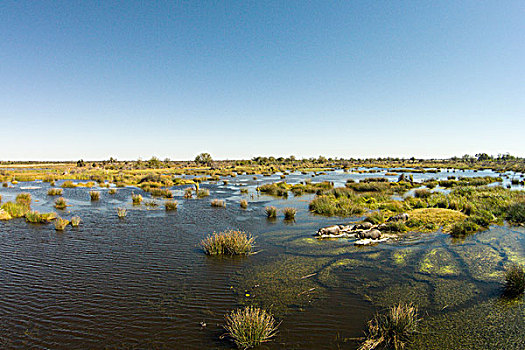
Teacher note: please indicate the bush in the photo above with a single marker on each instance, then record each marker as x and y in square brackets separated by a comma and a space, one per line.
[514, 280]
[392, 330]
[171, 205]
[289, 213]
[60, 203]
[228, 243]
[250, 327]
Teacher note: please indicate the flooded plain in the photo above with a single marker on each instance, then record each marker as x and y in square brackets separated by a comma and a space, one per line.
[143, 282]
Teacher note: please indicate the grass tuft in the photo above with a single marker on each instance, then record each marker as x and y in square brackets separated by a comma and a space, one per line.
[244, 203]
[171, 205]
[136, 198]
[218, 203]
[228, 243]
[24, 198]
[60, 224]
[60, 203]
[75, 221]
[271, 212]
[55, 192]
[289, 213]
[122, 212]
[250, 326]
[392, 330]
[95, 195]
[514, 280]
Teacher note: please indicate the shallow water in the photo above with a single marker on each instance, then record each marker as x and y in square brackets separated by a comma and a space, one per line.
[142, 282]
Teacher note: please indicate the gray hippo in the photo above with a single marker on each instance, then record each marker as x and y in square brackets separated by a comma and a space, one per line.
[372, 234]
[363, 226]
[398, 217]
[329, 230]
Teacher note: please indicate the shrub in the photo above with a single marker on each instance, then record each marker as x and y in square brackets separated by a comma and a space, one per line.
[250, 326]
[171, 205]
[392, 330]
[60, 224]
[136, 199]
[289, 213]
[228, 243]
[95, 195]
[514, 280]
[24, 198]
[122, 212]
[55, 192]
[75, 221]
[60, 203]
[271, 212]
[218, 203]
[244, 203]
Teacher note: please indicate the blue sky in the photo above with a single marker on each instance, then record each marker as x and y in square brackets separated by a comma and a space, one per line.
[237, 79]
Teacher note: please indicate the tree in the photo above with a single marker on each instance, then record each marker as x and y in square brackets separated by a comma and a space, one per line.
[81, 163]
[204, 159]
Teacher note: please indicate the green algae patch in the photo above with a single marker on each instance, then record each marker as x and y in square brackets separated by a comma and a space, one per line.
[409, 292]
[439, 262]
[430, 219]
[401, 257]
[329, 276]
[283, 284]
[449, 293]
[492, 324]
[484, 262]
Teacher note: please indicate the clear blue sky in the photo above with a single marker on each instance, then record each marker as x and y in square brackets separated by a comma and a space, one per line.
[237, 79]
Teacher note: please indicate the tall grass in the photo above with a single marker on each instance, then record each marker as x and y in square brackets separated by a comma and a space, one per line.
[68, 184]
[24, 198]
[230, 242]
[250, 326]
[15, 210]
[95, 195]
[392, 330]
[514, 280]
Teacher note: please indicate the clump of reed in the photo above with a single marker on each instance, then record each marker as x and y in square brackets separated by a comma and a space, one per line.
[250, 326]
[218, 203]
[244, 203]
[35, 217]
[136, 199]
[160, 192]
[289, 213]
[95, 195]
[514, 280]
[392, 330]
[171, 205]
[24, 198]
[203, 193]
[112, 191]
[68, 184]
[122, 212]
[75, 221]
[271, 212]
[55, 192]
[60, 224]
[60, 203]
[230, 242]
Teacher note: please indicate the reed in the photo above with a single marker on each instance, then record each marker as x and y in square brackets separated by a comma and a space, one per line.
[250, 326]
[230, 242]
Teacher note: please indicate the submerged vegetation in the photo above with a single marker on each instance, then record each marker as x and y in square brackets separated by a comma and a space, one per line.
[250, 326]
[230, 242]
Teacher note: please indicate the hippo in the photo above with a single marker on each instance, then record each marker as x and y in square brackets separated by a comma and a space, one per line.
[329, 230]
[372, 234]
[363, 226]
[398, 217]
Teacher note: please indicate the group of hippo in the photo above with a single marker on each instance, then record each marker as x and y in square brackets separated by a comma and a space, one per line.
[366, 232]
